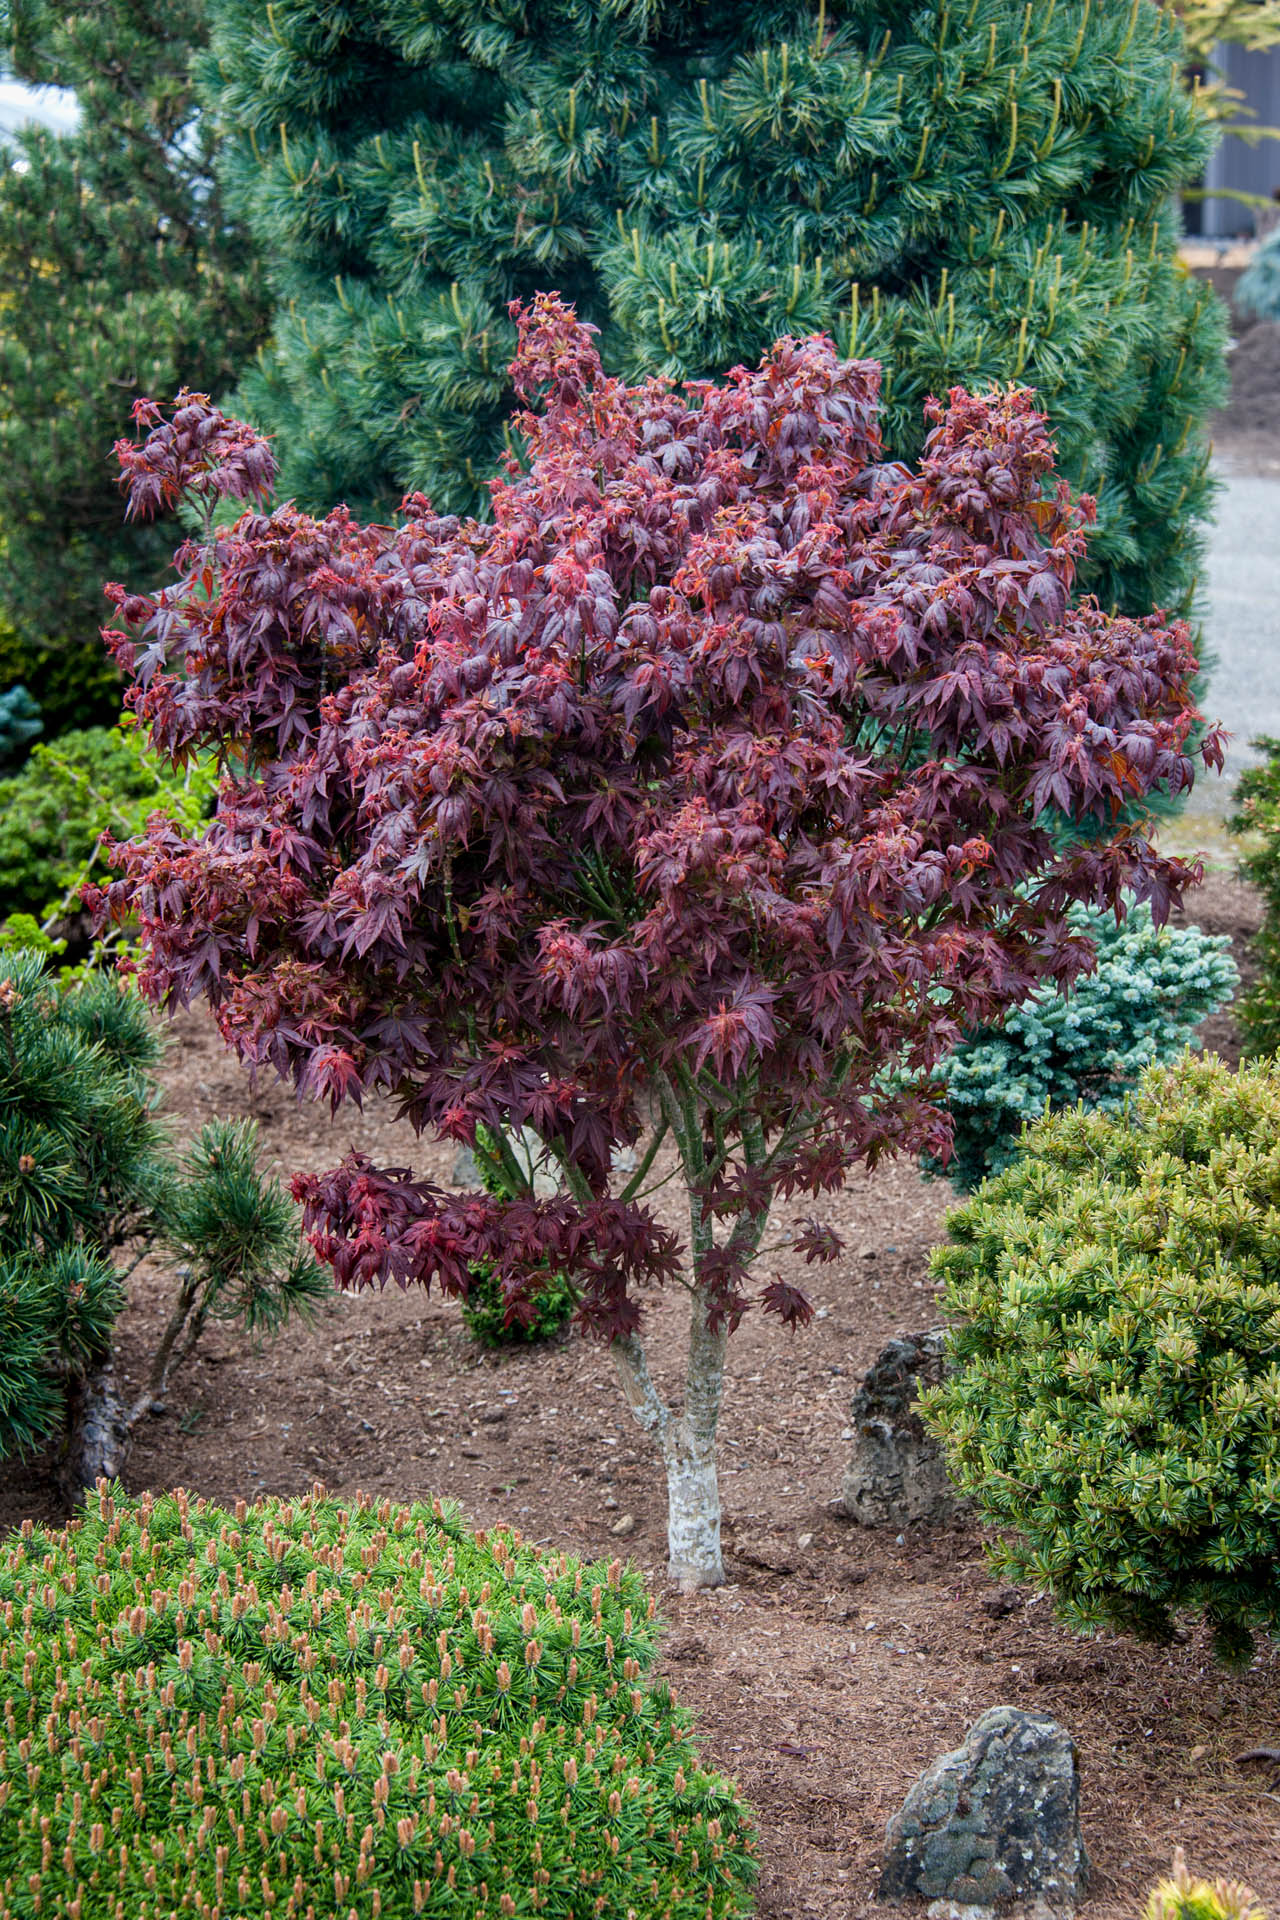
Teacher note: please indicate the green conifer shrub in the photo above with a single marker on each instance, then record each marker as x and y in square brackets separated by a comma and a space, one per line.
[1257, 290]
[89, 1185]
[1185, 1897]
[20, 724]
[312, 1708]
[1257, 813]
[1114, 1405]
[506, 1169]
[119, 272]
[1152, 987]
[966, 190]
[55, 809]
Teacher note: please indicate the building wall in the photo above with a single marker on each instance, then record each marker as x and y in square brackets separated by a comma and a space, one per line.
[1237, 164]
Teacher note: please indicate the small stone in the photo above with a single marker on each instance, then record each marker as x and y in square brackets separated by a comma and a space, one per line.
[492, 1416]
[804, 1541]
[1003, 1601]
[995, 1824]
[611, 1503]
[621, 1529]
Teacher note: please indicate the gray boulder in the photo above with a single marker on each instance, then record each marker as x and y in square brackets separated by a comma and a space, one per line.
[896, 1476]
[995, 1825]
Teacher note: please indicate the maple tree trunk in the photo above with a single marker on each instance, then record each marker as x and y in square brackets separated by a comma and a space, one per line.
[688, 1444]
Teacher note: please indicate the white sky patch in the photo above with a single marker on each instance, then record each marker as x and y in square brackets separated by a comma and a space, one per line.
[53, 107]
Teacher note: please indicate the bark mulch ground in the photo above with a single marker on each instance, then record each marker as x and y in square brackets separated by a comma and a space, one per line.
[837, 1662]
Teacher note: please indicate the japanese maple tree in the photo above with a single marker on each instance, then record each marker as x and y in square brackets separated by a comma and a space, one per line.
[697, 800]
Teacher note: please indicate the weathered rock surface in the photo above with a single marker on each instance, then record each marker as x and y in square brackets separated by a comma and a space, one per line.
[896, 1476]
[994, 1825]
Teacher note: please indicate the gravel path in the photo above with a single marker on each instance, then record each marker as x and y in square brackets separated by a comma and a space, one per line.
[1243, 630]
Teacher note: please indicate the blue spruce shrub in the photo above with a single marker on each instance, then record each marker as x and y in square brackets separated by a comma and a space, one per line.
[1258, 288]
[1151, 988]
[20, 723]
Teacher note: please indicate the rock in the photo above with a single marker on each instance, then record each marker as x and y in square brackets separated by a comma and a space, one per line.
[896, 1476]
[995, 1825]
[622, 1528]
[1004, 1601]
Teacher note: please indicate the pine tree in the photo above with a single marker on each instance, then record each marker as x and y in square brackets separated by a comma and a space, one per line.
[976, 191]
[118, 273]
[88, 1182]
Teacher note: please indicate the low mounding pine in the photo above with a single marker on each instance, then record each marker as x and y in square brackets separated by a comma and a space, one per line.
[698, 801]
[308, 1710]
[1114, 1400]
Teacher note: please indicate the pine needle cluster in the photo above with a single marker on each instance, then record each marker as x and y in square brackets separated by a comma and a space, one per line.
[119, 272]
[1257, 813]
[311, 1708]
[1151, 988]
[1115, 1400]
[89, 1186]
[971, 191]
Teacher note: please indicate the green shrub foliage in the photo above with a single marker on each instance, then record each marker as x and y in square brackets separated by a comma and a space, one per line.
[971, 193]
[1152, 986]
[1183, 1896]
[71, 791]
[506, 1168]
[311, 1709]
[119, 275]
[88, 1180]
[1257, 813]
[20, 724]
[1115, 1400]
[1257, 290]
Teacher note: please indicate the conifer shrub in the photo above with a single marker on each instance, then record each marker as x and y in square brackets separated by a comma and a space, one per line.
[1114, 1403]
[969, 193]
[89, 1184]
[119, 271]
[311, 1708]
[20, 724]
[1257, 813]
[1183, 1896]
[1151, 988]
[1257, 291]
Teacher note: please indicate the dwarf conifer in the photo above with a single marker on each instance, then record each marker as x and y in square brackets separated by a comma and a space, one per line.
[971, 191]
[118, 273]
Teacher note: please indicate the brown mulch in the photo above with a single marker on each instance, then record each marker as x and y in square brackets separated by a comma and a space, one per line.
[837, 1662]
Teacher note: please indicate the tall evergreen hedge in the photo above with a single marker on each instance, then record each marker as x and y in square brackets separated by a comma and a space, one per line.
[120, 275]
[974, 191]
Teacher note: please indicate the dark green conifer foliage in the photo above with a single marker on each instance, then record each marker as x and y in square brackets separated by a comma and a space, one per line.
[89, 1185]
[119, 276]
[970, 191]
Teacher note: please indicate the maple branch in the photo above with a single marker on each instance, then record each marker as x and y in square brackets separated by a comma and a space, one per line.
[634, 1184]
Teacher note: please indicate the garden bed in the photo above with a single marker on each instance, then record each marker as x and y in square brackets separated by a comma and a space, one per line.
[838, 1662]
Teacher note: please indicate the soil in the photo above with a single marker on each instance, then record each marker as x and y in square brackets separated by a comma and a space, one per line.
[838, 1662]
[1246, 433]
